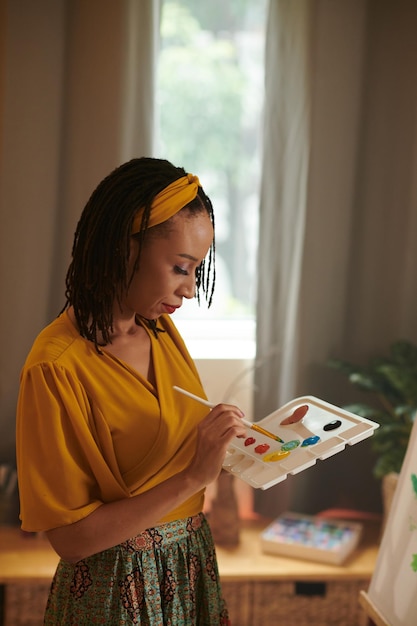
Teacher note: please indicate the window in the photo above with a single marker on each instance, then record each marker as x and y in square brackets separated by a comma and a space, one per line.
[209, 100]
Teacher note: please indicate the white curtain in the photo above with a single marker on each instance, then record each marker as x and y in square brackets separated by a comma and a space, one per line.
[338, 237]
[76, 99]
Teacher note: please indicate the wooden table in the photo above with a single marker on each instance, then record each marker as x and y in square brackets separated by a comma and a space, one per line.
[236, 563]
[260, 589]
[25, 557]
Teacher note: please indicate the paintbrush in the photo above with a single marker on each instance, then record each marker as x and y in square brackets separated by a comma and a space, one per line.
[250, 425]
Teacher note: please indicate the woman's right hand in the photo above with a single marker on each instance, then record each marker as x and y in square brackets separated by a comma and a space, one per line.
[214, 433]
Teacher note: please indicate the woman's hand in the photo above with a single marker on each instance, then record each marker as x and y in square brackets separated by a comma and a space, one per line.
[214, 434]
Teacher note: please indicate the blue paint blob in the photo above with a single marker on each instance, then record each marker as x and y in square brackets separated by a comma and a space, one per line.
[310, 441]
[290, 445]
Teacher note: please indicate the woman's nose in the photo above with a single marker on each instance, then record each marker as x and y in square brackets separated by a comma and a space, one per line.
[188, 287]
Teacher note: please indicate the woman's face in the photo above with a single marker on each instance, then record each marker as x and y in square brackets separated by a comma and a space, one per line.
[167, 266]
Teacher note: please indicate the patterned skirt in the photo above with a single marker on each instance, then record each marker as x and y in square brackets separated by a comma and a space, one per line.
[166, 576]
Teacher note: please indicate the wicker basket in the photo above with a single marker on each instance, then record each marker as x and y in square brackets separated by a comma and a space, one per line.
[271, 603]
[250, 603]
[24, 605]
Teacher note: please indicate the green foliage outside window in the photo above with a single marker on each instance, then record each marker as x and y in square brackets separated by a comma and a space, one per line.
[209, 103]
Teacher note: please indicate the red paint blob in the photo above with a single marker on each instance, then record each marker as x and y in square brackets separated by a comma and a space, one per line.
[249, 441]
[262, 448]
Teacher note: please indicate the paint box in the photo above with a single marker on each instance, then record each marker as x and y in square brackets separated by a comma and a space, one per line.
[311, 538]
[325, 430]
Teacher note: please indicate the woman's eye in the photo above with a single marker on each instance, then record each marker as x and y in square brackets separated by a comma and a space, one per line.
[180, 270]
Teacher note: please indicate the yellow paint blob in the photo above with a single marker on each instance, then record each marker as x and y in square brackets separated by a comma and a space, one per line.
[276, 456]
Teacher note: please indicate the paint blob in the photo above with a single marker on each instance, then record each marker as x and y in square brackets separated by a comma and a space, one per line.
[296, 416]
[290, 445]
[310, 441]
[249, 441]
[276, 456]
[332, 425]
[262, 448]
[414, 483]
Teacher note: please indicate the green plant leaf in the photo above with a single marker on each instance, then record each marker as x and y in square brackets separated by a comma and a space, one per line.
[390, 382]
[391, 461]
[402, 380]
[404, 353]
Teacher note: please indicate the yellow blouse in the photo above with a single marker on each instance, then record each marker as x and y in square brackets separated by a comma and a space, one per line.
[90, 429]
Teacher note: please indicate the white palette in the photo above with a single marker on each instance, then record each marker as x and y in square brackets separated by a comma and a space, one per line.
[334, 427]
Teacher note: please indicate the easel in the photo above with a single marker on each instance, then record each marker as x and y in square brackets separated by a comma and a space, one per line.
[375, 618]
[392, 592]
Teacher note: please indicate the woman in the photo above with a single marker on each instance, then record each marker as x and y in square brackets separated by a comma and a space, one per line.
[112, 461]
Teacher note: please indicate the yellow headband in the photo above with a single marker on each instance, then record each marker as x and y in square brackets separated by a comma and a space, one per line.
[169, 201]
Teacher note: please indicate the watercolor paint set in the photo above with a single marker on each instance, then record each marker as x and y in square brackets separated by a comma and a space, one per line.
[312, 538]
[292, 439]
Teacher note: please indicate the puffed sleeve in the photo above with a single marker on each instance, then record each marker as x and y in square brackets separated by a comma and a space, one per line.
[62, 474]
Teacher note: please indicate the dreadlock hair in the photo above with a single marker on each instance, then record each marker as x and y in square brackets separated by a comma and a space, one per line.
[98, 274]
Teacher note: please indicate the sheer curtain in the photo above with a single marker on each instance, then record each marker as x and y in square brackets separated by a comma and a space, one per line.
[76, 99]
[337, 248]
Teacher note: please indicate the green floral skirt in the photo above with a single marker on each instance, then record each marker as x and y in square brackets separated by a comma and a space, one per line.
[166, 576]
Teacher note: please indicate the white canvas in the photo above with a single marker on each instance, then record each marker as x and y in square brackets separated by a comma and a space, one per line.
[393, 587]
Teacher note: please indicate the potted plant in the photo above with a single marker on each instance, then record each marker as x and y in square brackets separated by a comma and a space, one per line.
[390, 384]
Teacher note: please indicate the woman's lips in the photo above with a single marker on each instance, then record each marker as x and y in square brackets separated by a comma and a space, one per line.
[170, 309]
